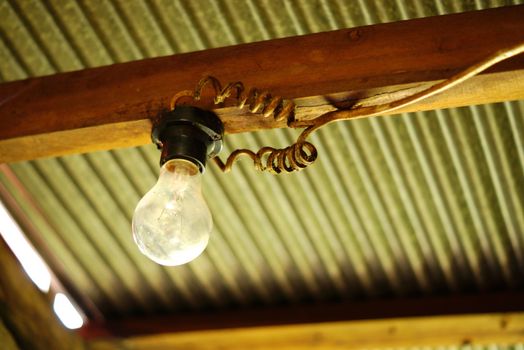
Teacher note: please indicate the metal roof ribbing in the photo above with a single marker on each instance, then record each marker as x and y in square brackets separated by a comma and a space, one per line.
[415, 204]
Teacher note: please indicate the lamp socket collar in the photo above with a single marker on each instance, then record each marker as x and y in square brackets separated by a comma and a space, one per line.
[190, 133]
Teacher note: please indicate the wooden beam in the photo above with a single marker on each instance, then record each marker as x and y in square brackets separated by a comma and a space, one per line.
[311, 313]
[486, 329]
[27, 312]
[110, 107]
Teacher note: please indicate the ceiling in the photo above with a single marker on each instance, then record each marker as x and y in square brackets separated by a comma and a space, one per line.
[412, 205]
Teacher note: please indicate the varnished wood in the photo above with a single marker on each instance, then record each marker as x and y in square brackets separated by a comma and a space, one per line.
[6, 338]
[485, 329]
[110, 107]
[27, 312]
[312, 313]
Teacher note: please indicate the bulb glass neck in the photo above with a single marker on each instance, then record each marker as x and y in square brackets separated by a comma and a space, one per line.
[181, 166]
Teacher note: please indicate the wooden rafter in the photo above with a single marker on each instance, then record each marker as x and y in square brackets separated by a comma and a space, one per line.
[424, 322]
[486, 329]
[110, 107]
[448, 307]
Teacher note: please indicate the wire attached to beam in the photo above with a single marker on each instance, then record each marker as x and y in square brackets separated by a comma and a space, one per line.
[289, 159]
[303, 153]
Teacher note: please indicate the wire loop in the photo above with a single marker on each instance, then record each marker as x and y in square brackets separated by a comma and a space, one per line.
[256, 100]
[303, 153]
[274, 160]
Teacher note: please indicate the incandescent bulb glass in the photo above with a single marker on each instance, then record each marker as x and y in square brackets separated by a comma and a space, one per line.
[172, 222]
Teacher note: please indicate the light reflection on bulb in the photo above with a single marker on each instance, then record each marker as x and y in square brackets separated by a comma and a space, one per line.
[172, 223]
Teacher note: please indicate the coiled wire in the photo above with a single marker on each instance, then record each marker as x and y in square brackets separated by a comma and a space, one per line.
[274, 160]
[302, 153]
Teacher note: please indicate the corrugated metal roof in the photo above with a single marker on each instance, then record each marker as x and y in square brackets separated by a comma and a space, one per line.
[424, 203]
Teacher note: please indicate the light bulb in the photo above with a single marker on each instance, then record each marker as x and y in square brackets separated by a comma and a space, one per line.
[172, 222]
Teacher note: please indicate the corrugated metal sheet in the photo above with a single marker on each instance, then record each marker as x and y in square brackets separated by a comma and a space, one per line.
[425, 203]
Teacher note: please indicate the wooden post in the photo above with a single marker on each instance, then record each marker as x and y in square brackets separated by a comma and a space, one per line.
[27, 313]
[6, 338]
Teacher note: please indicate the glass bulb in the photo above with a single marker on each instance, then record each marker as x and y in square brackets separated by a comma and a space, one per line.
[172, 223]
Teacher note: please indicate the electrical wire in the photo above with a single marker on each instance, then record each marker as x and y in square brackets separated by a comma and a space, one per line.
[302, 153]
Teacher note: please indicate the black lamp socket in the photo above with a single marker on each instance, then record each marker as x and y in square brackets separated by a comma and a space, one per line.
[188, 133]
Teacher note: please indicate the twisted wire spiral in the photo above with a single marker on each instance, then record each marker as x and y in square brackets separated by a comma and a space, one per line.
[274, 160]
[256, 100]
[302, 153]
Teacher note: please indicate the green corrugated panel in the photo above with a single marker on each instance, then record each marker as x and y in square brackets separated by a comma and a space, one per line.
[415, 204]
